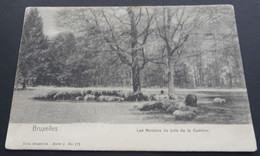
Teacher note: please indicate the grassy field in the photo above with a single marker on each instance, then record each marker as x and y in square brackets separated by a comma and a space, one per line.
[27, 110]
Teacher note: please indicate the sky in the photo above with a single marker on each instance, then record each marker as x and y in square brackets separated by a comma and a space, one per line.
[48, 17]
[49, 24]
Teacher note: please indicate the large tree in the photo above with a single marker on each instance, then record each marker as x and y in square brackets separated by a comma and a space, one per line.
[124, 31]
[174, 26]
[32, 43]
[54, 67]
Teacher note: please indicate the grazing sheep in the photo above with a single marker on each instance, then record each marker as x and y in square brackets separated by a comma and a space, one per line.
[172, 108]
[136, 97]
[154, 106]
[89, 97]
[120, 99]
[146, 96]
[184, 115]
[219, 100]
[189, 108]
[55, 97]
[159, 97]
[167, 103]
[173, 97]
[115, 98]
[168, 106]
[180, 97]
[191, 100]
[109, 98]
[58, 96]
[79, 98]
[135, 107]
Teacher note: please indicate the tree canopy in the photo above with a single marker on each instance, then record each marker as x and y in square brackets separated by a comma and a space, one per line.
[186, 47]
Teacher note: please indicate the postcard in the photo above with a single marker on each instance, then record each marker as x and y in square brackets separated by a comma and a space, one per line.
[142, 78]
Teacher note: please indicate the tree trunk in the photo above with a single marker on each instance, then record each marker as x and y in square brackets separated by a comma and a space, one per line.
[230, 80]
[136, 79]
[135, 67]
[24, 84]
[170, 77]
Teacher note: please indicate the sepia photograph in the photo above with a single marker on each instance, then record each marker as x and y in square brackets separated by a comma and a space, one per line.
[172, 65]
[130, 65]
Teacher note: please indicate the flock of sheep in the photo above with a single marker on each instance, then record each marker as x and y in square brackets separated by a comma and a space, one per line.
[181, 108]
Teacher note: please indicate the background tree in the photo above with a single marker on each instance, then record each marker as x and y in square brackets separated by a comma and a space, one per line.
[53, 69]
[187, 47]
[33, 41]
[125, 33]
[174, 26]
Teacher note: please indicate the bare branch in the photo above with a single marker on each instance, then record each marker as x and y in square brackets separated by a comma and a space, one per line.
[120, 20]
[139, 17]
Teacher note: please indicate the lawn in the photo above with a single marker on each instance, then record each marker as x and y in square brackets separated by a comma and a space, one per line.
[27, 110]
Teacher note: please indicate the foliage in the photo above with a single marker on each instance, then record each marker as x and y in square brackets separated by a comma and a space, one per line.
[133, 47]
[33, 42]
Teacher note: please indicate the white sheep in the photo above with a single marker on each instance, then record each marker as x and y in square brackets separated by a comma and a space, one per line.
[184, 115]
[79, 98]
[89, 97]
[160, 97]
[219, 100]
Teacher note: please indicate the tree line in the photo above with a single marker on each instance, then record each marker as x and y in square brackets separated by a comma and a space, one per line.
[186, 47]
